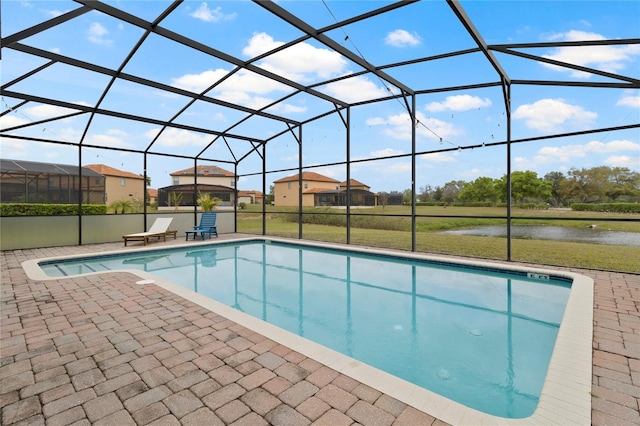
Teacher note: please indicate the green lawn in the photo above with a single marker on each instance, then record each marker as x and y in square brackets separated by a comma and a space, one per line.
[429, 238]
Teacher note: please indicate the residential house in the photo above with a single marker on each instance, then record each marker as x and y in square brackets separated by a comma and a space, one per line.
[49, 183]
[119, 184]
[250, 197]
[354, 185]
[319, 190]
[152, 196]
[187, 183]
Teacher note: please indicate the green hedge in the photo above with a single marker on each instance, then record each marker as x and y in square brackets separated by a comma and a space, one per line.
[607, 207]
[29, 209]
[534, 206]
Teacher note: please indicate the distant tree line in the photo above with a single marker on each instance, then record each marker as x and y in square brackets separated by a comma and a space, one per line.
[594, 185]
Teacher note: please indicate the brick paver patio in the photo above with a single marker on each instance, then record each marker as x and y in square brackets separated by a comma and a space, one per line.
[103, 350]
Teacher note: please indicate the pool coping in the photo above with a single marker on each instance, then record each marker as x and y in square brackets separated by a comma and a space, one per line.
[566, 394]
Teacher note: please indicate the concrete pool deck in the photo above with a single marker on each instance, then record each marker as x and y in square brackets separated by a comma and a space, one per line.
[103, 350]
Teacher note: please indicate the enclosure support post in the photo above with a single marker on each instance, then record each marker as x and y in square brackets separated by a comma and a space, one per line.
[195, 192]
[413, 172]
[79, 195]
[348, 154]
[144, 195]
[300, 182]
[235, 196]
[508, 108]
[264, 188]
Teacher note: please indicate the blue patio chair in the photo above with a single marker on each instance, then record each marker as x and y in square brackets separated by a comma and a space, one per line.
[207, 226]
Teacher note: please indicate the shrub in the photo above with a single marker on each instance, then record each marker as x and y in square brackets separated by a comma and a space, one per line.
[31, 209]
[534, 206]
[607, 207]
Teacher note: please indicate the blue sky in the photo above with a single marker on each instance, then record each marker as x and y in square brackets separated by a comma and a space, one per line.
[447, 120]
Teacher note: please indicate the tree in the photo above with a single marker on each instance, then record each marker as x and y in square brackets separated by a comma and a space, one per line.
[625, 183]
[270, 198]
[207, 202]
[121, 205]
[556, 179]
[383, 198]
[407, 197]
[176, 198]
[481, 189]
[451, 190]
[425, 193]
[526, 186]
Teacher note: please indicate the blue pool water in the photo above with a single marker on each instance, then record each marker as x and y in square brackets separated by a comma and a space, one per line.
[480, 337]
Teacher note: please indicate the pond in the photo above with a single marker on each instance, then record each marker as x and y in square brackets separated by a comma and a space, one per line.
[559, 233]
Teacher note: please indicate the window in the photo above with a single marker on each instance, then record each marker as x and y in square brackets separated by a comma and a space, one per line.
[288, 185]
[175, 180]
[123, 181]
[233, 182]
[306, 185]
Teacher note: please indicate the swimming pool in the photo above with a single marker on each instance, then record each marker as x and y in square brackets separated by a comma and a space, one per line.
[399, 314]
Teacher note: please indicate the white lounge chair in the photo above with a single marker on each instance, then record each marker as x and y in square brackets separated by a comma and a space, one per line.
[159, 229]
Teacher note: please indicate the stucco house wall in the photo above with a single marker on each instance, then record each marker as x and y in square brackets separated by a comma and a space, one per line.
[286, 189]
[120, 184]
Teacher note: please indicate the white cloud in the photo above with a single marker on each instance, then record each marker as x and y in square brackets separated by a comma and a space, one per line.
[11, 120]
[108, 140]
[521, 162]
[605, 58]
[438, 157]
[399, 127]
[459, 103]
[629, 101]
[355, 89]
[395, 168]
[242, 88]
[290, 108]
[623, 161]
[302, 62]
[212, 15]
[198, 82]
[375, 121]
[13, 148]
[551, 115]
[26, 115]
[179, 137]
[613, 146]
[46, 111]
[402, 38]
[53, 13]
[97, 34]
[568, 153]
[387, 152]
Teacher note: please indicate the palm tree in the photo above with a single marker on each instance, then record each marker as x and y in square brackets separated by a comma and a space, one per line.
[176, 198]
[207, 202]
[122, 205]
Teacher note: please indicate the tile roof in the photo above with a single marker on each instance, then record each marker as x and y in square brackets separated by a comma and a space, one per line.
[250, 192]
[353, 183]
[308, 176]
[112, 171]
[204, 170]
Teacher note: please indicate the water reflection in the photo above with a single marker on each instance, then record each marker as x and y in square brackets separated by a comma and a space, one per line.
[559, 233]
